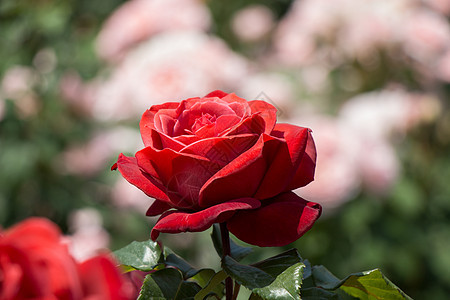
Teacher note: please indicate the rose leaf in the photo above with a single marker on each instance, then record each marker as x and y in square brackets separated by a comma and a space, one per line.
[167, 284]
[142, 256]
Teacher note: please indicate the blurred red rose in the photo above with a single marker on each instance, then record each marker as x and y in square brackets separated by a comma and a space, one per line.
[36, 264]
[222, 158]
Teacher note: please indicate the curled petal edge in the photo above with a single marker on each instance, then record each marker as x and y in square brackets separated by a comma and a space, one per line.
[176, 221]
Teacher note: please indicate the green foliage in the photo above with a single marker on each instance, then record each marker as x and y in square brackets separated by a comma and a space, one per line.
[168, 284]
[404, 232]
[143, 256]
[283, 276]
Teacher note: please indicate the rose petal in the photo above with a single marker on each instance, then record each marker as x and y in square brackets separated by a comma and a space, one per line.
[101, 279]
[222, 150]
[148, 119]
[307, 167]
[178, 221]
[216, 93]
[242, 176]
[181, 174]
[157, 208]
[279, 222]
[187, 139]
[130, 170]
[267, 111]
[286, 161]
[187, 117]
[252, 124]
[159, 140]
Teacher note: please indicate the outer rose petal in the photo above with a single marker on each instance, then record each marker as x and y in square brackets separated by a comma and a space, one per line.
[132, 173]
[222, 150]
[148, 119]
[157, 208]
[181, 174]
[178, 221]
[159, 140]
[101, 279]
[242, 176]
[286, 161]
[280, 222]
[216, 93]
[306, 170]
[267, 111]
[46, 267]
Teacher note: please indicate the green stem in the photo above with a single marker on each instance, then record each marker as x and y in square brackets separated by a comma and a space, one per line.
[226, 250]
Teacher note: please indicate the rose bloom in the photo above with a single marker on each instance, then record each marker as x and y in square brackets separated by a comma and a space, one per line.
[222, 159]
[36, 264]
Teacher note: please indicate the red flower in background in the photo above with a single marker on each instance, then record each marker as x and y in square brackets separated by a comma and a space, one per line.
[36, 264]
[224, 159]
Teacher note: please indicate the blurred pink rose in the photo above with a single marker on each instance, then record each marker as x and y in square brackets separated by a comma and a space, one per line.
[88, 237]
[391, 111]
[337, 175]
[442, 6]
[17, 84]
[378, 164]
[252, 23]
[426, 35]
[126, 195]
[335, 32]
[275, 88]
[137, 20]
[93, 157]
[175, 65]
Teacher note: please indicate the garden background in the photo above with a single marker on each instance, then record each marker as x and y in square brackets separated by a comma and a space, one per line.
[372, 80]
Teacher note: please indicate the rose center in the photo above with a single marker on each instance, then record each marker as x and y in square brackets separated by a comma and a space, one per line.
[204, 120]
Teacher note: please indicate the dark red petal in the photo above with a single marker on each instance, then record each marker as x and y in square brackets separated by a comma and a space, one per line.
[132, 173]
[178, 221]
[267, 111]
[285, 162]
[307, 167]
[181, 174]
[222, 150]
[252, 124]
[148, 119]
[159, 140]
[216, 93]
[242, 176]
[157, 208]
[279, 222]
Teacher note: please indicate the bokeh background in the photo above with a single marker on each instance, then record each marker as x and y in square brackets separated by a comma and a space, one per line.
[371, 78]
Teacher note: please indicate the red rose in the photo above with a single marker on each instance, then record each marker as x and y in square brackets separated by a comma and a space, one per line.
[36, 264]
[222, 158]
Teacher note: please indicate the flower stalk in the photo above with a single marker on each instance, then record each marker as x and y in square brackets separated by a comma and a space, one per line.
[226, 250]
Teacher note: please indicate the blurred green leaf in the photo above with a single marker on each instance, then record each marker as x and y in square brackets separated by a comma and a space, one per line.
[167, 284]
[214, 285]
[314, 293]
[237, 252]
[139, 255]
[371, 285]
[324, 278]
